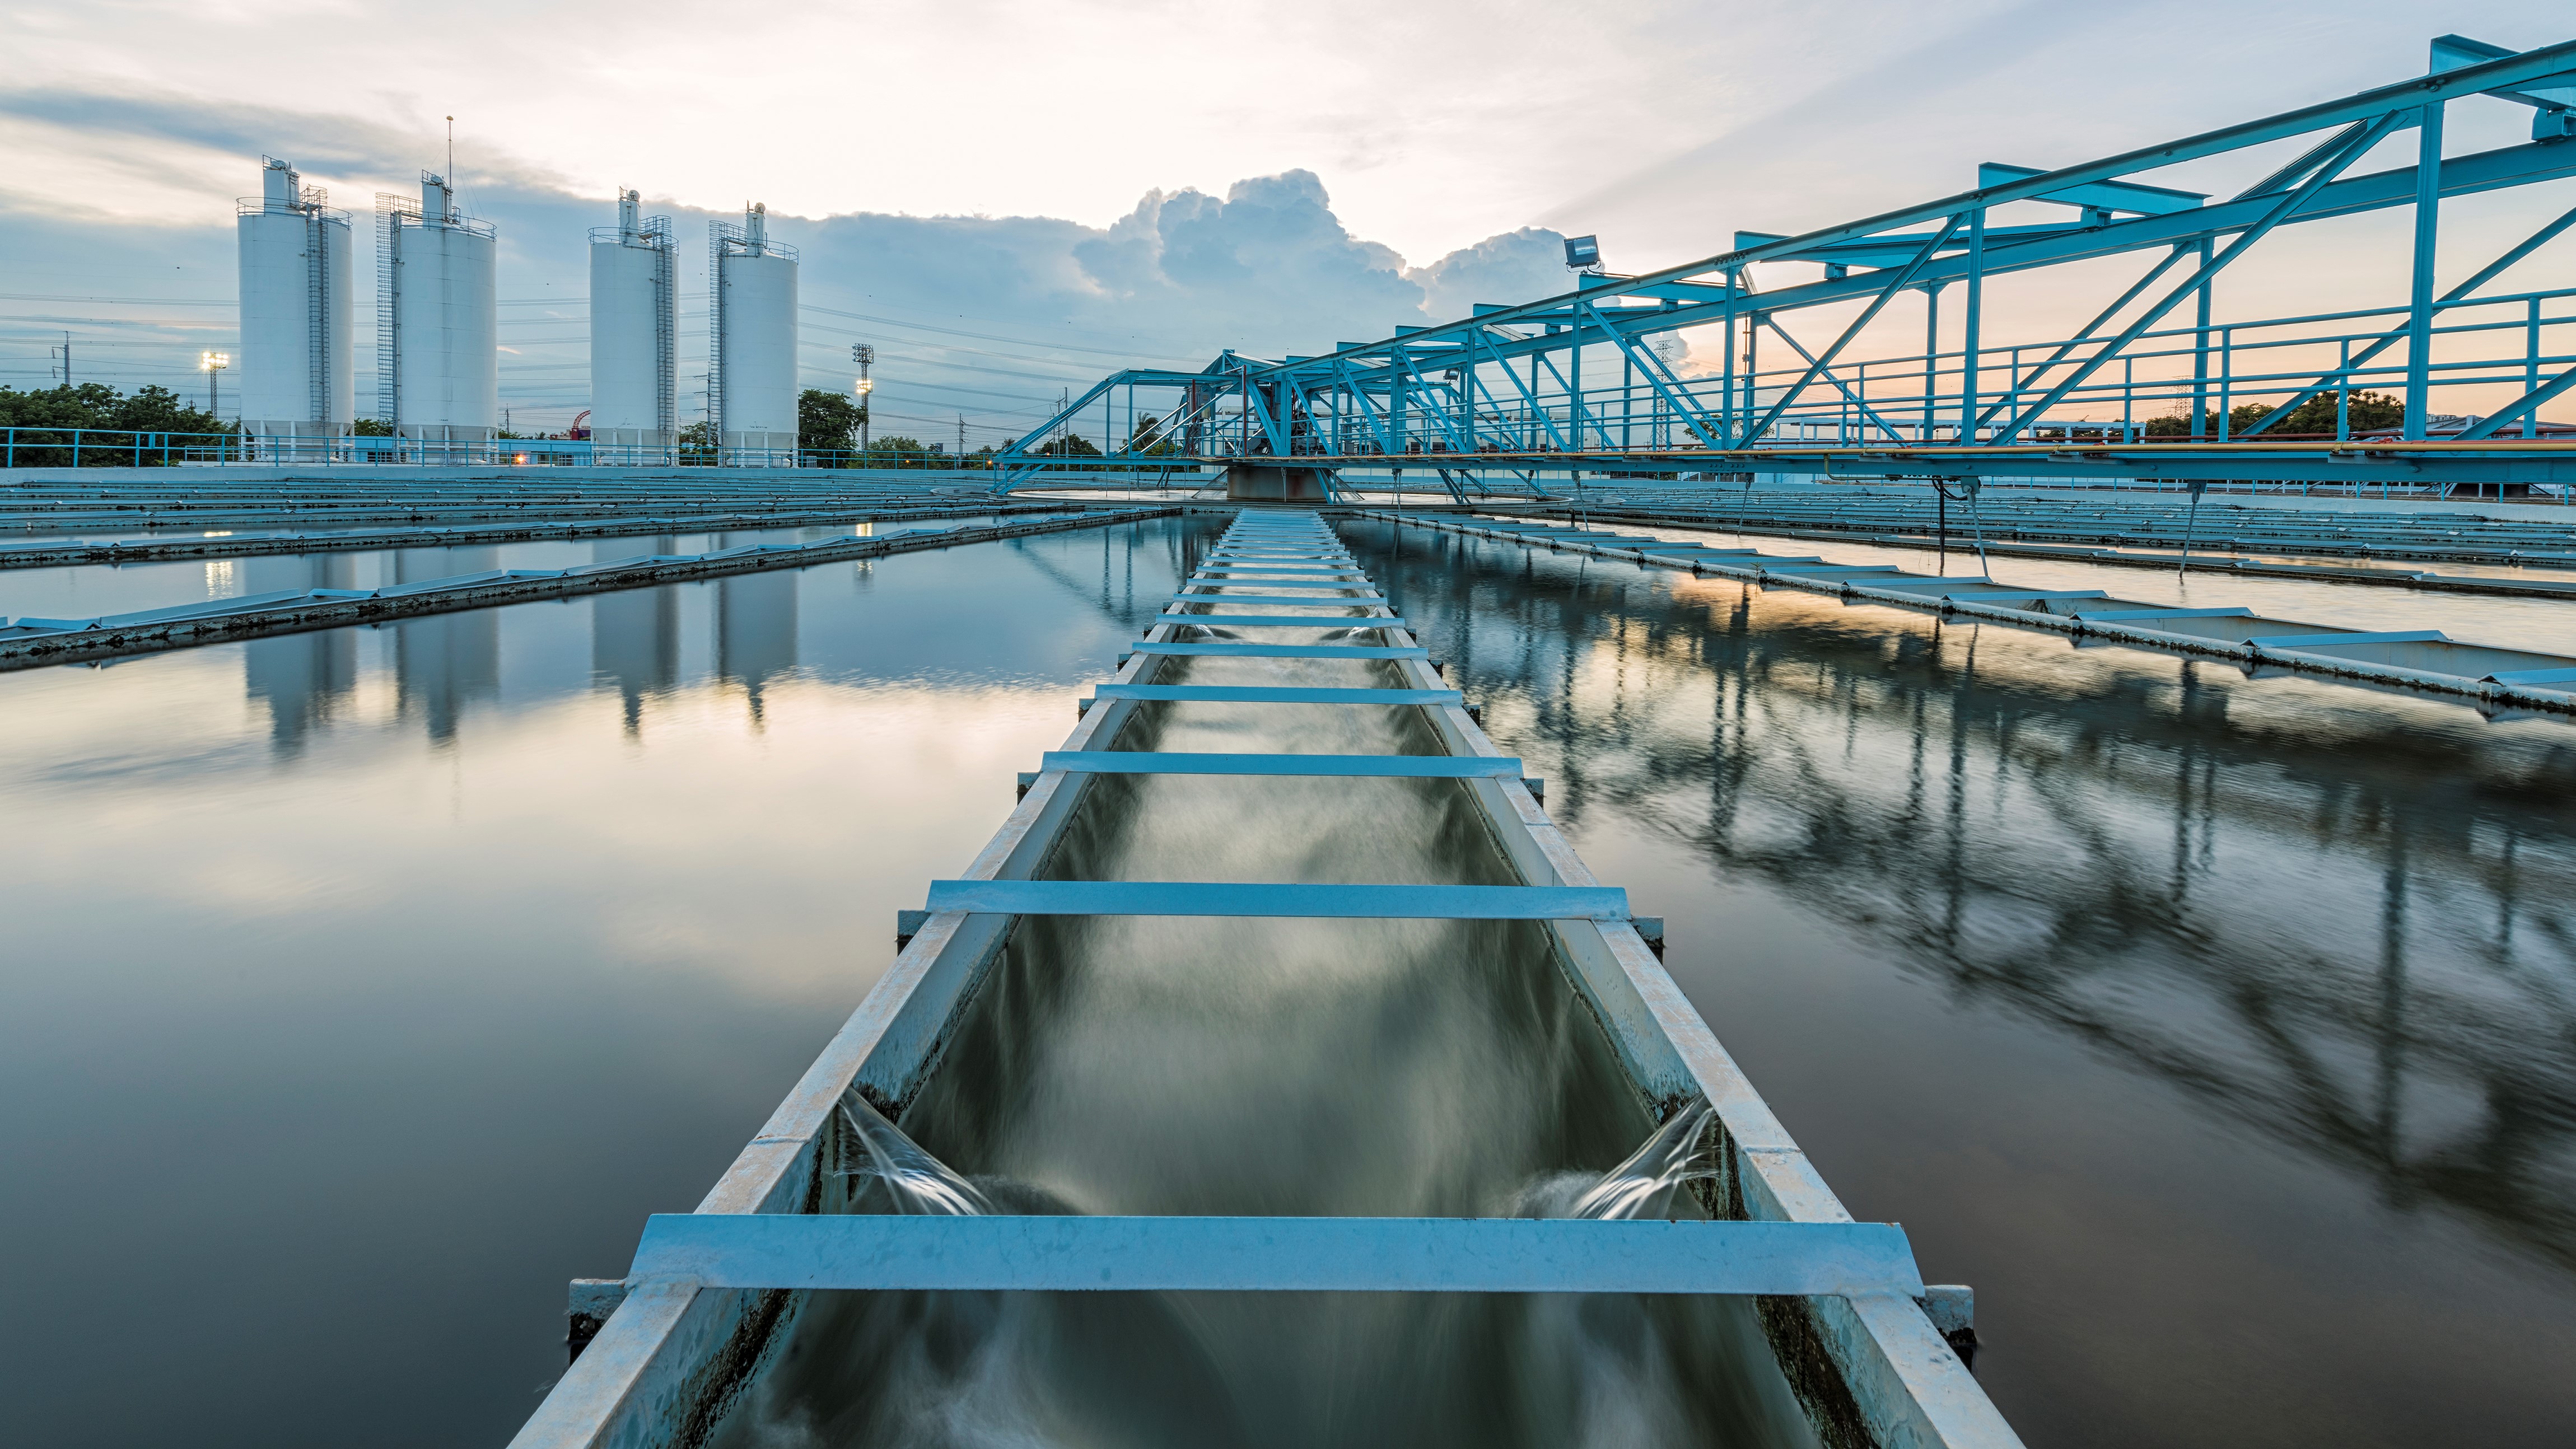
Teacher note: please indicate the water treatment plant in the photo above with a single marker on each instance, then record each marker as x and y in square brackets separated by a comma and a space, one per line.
[1764, 852]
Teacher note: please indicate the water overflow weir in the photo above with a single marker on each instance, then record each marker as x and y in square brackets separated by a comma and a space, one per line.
[1254, 856]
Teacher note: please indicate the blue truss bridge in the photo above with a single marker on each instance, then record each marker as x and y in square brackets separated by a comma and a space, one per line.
[1530, 399]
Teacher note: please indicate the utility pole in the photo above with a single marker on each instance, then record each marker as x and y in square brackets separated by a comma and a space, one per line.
[66, 351]
[961, 439]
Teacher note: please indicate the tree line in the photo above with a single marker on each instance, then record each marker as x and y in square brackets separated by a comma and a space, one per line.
[105, 418]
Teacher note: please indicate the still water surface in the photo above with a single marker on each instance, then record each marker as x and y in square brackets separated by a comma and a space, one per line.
[364, 986]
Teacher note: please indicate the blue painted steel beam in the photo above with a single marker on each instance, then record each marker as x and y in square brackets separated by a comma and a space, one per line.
[1283, 621]
[1307, 1255]
[1220, 649]
[1274, 694]
[1337, 901]
[1371, 599]
[1277, 581]
[1411, 767]
[1277, 568]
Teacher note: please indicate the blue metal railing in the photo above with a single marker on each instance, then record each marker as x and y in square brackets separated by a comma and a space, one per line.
[56, 447]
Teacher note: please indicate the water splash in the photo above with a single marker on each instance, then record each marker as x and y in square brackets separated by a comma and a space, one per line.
[920, 1184]
[1680, 1152]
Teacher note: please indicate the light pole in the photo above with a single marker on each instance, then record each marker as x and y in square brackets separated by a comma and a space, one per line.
[866, 357]
[212, 364]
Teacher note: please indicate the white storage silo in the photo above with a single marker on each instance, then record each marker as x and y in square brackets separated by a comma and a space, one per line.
[634, 368]
[752, 386]
[297, 389]
[438, 376]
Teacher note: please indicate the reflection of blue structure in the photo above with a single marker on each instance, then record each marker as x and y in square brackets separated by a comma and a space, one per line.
[447, 661]
[302, 678]
[756, 630]
[635, 633]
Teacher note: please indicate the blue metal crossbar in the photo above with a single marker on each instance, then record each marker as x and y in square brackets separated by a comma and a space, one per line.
[1176, 1254]
[1352, 600]
[1285, 621]
[1148, 762]
[1276, 694]
[1286, 651]
[1228, 898]
[1223, 567]
[1257, 573]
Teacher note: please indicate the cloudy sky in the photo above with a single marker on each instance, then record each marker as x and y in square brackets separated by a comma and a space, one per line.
[1010, 198]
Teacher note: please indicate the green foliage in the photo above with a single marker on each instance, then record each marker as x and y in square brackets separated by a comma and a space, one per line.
[697, 444]
[827, 420]
[370, 428]
[2367, 412]
[1149, 437]
[116, 418]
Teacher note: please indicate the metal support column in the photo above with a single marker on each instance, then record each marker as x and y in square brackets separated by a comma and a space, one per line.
[2428, 222]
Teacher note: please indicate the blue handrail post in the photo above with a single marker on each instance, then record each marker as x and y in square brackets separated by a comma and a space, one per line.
[1726, 331]
[2200, 350]
[2531, 373]
[1975, 327]
[2343, 391]
[2226, 380]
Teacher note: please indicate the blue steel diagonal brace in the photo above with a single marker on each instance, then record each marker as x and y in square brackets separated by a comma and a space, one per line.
[1372, 417]
[2027, 380]
[1531, 398]
[1258, 409]
[2287, 206]
[2515, 411]
[1476, 384]
[1667, 386]
[1849, 395]
[2397, 334]
[1898, 284]
[1573, 395]
[1440, 416]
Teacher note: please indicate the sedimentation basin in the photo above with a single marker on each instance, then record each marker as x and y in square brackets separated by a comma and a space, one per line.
[446, 951]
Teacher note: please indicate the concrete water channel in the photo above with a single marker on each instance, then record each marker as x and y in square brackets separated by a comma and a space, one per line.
[2213, 1028]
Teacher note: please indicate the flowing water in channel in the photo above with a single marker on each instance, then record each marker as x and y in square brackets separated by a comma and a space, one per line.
[1189, 1066]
